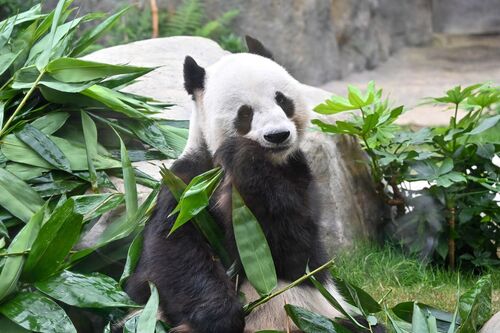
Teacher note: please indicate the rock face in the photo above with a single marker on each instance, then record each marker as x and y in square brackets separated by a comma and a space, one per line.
[492, 325]
[466, 17]
[351, 209]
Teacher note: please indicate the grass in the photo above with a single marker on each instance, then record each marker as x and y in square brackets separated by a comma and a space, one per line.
[380, 270]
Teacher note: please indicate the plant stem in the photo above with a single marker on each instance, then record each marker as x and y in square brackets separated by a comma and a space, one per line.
[6, 83]
[154, 18]
[451, 238]
[23, 102]
[455, 127]
[251, 306]
[10, 254]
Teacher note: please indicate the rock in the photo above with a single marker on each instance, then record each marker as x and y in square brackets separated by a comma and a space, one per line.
[351, 208]
[492, 325]
[466, 17]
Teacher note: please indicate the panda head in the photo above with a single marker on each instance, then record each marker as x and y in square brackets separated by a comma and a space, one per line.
[246, 95]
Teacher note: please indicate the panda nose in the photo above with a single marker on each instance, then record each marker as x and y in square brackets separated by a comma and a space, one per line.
[277, 137]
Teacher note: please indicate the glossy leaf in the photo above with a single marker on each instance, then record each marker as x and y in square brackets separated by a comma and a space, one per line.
[9, 326]
[18, 197]
[90, 136]
[474, 305]
[35, 312]
[44, 146]
[308, 321]
[13, 265]
[93, 290]
[252, 247]
[73, 70]
[405, 310]
[53, 243]
[195, 197]
[133, 255]
[94, 205]
[50, 123]
[358, 297]
[146, 323]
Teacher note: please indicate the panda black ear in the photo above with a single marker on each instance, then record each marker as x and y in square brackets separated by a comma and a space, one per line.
[194, 75]
[256, 47]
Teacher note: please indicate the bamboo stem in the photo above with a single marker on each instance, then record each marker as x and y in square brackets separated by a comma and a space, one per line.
[154, 19]
[251, 306]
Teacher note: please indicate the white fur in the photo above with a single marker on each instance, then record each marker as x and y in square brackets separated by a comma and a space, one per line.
[272, 315]
[245, 79]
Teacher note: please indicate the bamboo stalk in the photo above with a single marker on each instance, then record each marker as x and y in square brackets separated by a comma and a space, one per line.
[154, 19]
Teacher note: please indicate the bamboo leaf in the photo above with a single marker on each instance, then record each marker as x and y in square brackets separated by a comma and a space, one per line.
[133, 255]
[53, 243]
[147, 319]
[131, 199]
[38, 313]
[309, 322]
[252, 247]
[44, 146]
[14, 264]
[90, 136]
[18, 197]
[474, 306]
[50, 123]
[94, 205]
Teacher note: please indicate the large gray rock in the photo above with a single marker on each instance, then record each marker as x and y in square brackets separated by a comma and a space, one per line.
[351, 208]
[492, 325]
[466, 17]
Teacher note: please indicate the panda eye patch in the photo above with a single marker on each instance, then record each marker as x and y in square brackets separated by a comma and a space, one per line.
[285, 103]
[243, 121]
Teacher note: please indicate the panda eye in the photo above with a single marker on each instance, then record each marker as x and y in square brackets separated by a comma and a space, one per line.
[243, 121]
[285, 103]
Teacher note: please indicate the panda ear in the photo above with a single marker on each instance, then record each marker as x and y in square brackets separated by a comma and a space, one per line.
[194, 75]
[256, 47]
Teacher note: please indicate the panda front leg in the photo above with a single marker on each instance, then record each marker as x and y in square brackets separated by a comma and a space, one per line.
[196, 295]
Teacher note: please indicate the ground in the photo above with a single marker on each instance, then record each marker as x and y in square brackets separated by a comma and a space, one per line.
[414, 73]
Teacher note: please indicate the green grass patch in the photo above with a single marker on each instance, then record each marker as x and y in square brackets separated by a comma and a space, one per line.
[381, 270]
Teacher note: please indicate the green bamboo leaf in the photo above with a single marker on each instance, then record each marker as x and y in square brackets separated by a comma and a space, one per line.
[44, 146]
[7, 59]
[90, 136]
[147, 319]
[32, 14]
[53, 243]
[474, 305]
[94, 205]
[2, 113]
[133, 255]
[419, 321]
[25, 171]
[358, 297]
[308, 321]
[17, 151]
[73, 70]
[252, 247]
[150, 132]
[38, 313]
[92, 35]
[13, 265]
[112, 99]
[204, 221]
[9, 326]
[43, 59]
[131, 199]
[50, 123]
[196, 197]
[18, 197]
[93, 290]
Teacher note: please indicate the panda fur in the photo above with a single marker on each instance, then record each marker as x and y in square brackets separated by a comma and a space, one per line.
[249, 117]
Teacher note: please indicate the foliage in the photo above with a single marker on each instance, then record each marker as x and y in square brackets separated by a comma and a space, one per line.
[456, 214]
[189, 19]
[63, 127]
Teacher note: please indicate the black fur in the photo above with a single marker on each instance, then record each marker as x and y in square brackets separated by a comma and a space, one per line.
[243, 121]
[285, 103]
[194, 75]
[256, 47]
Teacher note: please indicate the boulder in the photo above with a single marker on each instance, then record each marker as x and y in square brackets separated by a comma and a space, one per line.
[492, 325]
[351, 208]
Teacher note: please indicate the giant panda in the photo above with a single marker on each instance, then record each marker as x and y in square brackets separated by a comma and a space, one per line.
[249, 117]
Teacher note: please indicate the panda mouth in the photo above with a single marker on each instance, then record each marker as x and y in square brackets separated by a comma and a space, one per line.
[278, 149]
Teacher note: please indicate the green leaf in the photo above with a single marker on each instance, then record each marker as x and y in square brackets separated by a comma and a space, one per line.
[450, 178]
[16, 151]
[131, 200]
[485, 124]
[308, 321]
[195, 197]
[112, 99]
[358, 297]
[94, 205]
[50, 123]
[44, 146]
[53, 243]
[475, 305]
[43, 59]
[93, 290]
[147, 319]
[204, 221]
[405, 311]
[92, 35]
[90, 136]
[18, 197]
[73, 70]
[7, 59]
[252, 247]
[38, 313]
[151, 133]
[355, 98]
[22, 242]
[419, 321]
[9, 326]
[133, 255]
[335, 104]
